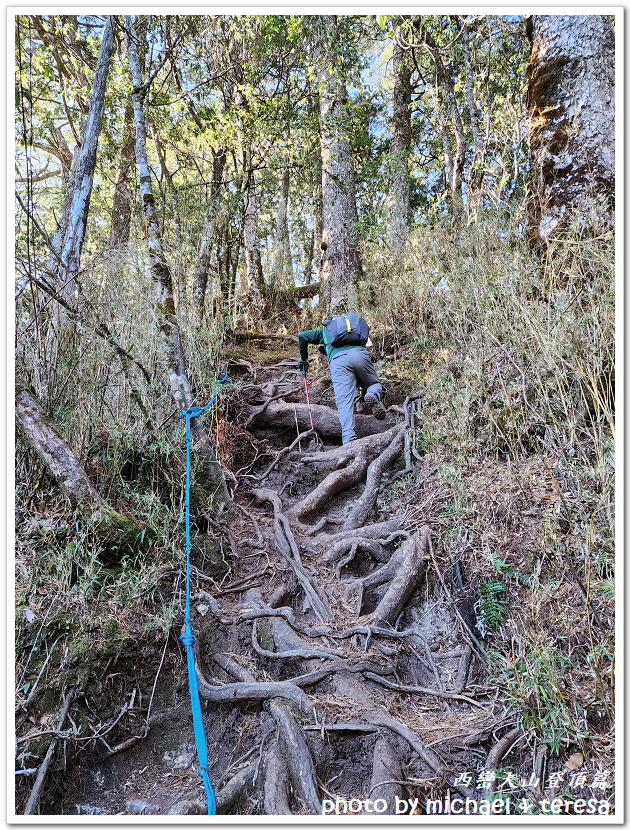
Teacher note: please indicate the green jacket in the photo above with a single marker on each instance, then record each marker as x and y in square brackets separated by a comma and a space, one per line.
[317, 337]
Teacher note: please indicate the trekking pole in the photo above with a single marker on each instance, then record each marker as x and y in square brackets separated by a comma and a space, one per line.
[307, 398]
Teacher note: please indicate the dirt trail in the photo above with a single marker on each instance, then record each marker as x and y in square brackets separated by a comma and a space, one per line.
[334, 661]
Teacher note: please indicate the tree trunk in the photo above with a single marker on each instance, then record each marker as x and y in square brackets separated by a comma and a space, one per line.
[341, 267]
[398, 200]
[63, 265]
[62, 464]
[212, 479]
[204, 258]
[475, 179]
[177, 226]
[282, 264]
[253, 260]
[318, 219]
[121, 207]
[571, 98]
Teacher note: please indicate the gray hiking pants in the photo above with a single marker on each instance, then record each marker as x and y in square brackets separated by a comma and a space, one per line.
[347, 370]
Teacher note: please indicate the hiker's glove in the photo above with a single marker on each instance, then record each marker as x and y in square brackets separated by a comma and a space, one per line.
[322, 350]
[303, 366]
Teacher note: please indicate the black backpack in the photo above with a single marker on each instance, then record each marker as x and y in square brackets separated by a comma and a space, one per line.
[347, 330]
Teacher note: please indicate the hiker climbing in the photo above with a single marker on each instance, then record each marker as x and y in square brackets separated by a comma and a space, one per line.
[343, 339]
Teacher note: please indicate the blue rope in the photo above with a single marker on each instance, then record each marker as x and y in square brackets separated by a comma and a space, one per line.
[188, 638]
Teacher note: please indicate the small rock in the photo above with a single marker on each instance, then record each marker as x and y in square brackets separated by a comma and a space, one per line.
[91, 810]
[179, 758]
[187, 808]
[138, 807]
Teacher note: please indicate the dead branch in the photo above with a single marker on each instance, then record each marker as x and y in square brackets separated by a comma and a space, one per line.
[462, 669]
[468, 634]
[31, 804]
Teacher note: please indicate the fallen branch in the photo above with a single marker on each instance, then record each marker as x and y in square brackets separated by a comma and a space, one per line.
[31, 804]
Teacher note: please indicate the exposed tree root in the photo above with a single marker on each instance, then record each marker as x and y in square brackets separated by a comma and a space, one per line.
[365, 504]
[386, 773]
[298, 758]
[276, 783]
[228, 795]
[334, 483]
[281, 416]
[342, 546]
[285, 542]
[426, 754]
[385, 532]
[409, 571]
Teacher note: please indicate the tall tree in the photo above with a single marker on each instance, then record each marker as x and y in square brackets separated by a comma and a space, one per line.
[399, 148]
[282, 248]
[204, 256]
[64, 261]
[341, 266]
[571, 98]
[121, 206]
[213, 480]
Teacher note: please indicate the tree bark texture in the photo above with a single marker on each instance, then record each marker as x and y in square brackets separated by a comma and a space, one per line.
[213, 480]
[253, 260]
[340, 261]
[398, 199]
[204, 257]
[282, 264]
[571, 98]
[64, 266]
[281, 416]
[121, 206]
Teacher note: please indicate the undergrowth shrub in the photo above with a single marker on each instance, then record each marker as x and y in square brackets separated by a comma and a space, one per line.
[514, 354]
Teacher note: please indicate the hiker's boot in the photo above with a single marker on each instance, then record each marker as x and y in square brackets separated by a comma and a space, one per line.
[373, 403]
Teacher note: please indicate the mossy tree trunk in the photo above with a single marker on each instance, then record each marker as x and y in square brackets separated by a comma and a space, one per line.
[212, 479]
[62, 464]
